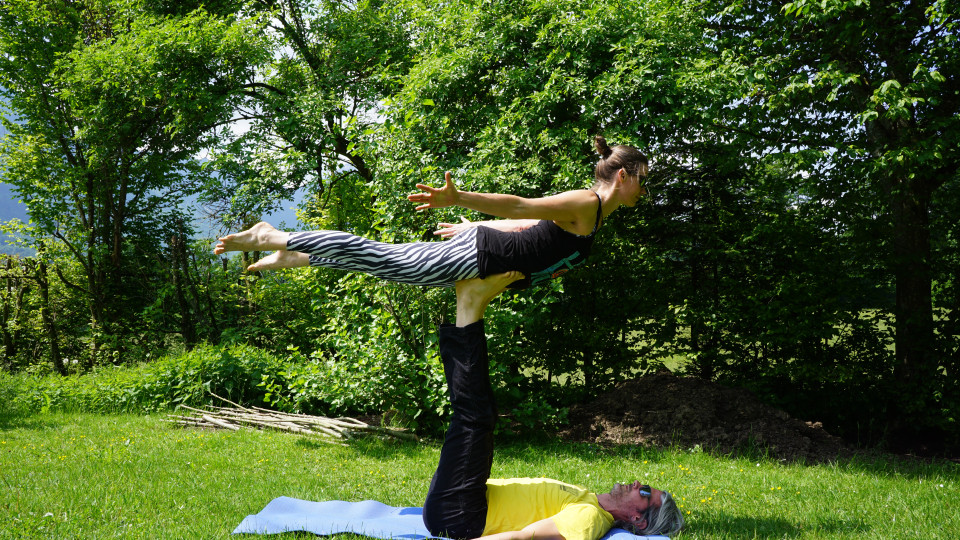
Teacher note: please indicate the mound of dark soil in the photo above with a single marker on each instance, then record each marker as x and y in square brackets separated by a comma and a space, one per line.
[662, 410]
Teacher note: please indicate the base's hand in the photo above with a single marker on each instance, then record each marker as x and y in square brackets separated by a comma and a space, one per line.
[449, 230]
[432, 197]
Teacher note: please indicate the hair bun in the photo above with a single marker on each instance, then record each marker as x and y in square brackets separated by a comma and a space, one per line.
[601, 145]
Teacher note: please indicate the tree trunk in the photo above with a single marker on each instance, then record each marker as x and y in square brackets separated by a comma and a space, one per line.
[916, 366]
[9, 346]
[187, 326]
[190, 275]
[49, 325]
[588, 367]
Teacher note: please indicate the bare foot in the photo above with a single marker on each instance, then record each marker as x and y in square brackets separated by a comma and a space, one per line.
[260, 237]
[473, 295]
[280, 259]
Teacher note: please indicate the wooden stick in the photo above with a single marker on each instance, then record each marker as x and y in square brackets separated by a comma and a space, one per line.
[220, 423]
[228, 401]
[321, 427]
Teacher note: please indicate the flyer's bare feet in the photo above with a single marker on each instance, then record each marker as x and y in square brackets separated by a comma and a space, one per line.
[473, 295]
[280, 259]
[260, 237]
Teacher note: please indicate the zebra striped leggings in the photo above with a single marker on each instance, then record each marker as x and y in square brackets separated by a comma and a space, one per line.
[435, 264]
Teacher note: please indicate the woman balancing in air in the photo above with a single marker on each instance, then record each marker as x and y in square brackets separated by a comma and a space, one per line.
[541, 238]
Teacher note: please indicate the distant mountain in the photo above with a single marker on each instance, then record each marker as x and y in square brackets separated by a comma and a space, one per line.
[10, 207]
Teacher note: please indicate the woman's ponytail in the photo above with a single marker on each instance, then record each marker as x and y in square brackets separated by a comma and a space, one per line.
[620, 156]
[602, 148]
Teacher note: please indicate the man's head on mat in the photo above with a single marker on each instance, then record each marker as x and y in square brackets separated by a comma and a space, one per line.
[642, 509]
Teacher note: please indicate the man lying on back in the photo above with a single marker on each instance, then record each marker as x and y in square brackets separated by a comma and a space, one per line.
[463, 502]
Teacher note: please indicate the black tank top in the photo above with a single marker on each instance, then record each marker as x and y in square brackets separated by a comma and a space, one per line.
[542, 252]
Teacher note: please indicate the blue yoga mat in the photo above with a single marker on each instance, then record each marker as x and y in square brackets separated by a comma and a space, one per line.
[367, 518]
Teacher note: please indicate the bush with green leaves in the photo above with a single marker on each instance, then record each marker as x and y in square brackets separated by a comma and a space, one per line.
[409, 391]
[233, 373]
[9, 404]
[375, 351]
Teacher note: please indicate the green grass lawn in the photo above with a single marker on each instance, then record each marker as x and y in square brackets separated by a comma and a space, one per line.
[93, 476]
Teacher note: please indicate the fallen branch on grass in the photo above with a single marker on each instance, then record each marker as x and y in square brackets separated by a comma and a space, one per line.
[325, 429]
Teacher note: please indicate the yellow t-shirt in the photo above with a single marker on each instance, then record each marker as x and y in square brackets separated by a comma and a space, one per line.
[514, 503]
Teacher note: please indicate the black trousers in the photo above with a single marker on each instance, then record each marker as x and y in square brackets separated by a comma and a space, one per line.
[456, 505]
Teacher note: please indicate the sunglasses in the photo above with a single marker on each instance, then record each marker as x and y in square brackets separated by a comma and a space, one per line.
[646, 491]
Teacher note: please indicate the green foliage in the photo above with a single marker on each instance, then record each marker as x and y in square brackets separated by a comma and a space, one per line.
[106, 120]
[409, 392]
[803, 238]
[510, 94]
[10, 406]
[314, 109]
[754, 286]
[234, 373]
[372, 347]
[946, 294]
[862, 98]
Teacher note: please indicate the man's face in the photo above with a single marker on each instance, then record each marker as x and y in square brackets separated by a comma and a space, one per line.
[633, 502]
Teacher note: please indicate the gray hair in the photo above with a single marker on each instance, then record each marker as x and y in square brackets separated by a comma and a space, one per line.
[666, 520]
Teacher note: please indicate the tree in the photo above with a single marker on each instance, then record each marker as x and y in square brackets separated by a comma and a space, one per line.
[313, 116]
[509, 95]
[312, 113]
[112, 104]
[865, 96]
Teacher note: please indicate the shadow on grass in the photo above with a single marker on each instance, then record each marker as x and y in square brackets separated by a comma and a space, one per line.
[378, 448]
[873, 463]
[765, 527]
[519, 448]
[36, 422]
[878, 464]
[506, 446]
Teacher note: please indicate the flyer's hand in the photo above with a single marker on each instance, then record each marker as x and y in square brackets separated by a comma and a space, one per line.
[449, 230]
[431, 197]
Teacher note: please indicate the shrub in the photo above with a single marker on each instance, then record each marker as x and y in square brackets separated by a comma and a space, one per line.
[410, 392]
[10, 405]
[233, 373]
